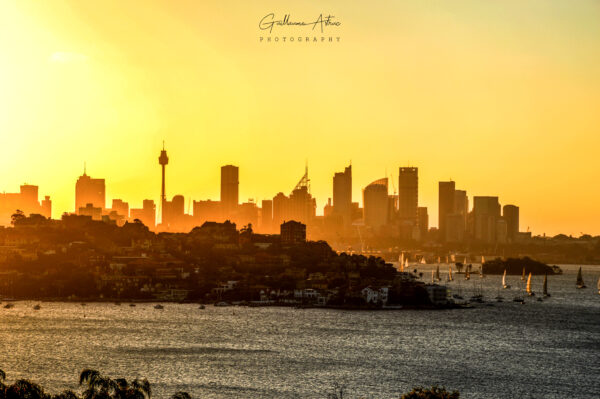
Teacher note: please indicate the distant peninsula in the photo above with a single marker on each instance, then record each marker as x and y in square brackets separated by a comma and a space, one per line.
[518, 266]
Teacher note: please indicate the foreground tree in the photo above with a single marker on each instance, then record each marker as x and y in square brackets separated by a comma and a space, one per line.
[434, 392]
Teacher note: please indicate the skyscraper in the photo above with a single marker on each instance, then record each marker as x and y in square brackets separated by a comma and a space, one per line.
[376, 203]
[408, 193]
[342, 195]
[89, 191]
[510, 213]
[229, 190]
[445, 205]
[486, 212]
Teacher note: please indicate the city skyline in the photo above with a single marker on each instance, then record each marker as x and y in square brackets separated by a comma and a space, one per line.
[501, 105]
[404, 193]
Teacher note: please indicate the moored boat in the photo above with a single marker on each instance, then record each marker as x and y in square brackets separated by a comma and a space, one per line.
[504, 285]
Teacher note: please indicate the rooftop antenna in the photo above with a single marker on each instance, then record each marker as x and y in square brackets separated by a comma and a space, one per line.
[84, 168]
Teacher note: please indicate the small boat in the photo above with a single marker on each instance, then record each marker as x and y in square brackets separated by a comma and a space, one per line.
[9, 306]
[468, 273]
[519, 299]
[540, 299]
[423, 262]
[499, 299]
[545, 286]
[37, 307]
[437, 273]
[159, 306]
[504, 285]
[598, 285]
[528, 288]
[523, 275]
[132, 304]
[580, 283]
[201, 307]
[222, 304]
[450, 274]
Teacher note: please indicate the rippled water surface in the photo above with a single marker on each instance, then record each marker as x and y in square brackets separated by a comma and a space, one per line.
[547, 349]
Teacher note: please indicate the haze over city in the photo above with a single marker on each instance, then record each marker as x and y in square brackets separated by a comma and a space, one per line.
[500, 98]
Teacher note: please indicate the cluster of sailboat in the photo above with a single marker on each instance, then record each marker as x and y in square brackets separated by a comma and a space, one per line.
[435, 277]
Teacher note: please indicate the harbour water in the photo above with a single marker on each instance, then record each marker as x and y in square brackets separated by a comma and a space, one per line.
[548, 349]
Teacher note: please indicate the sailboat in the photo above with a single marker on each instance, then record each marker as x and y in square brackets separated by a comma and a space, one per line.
[545, 286]
[447, 259]
[481, 272]
[504, 285]
[451, 279]
[580, 283]
[482, 260]
[528, 288]
[523, 275]
[598, 285]
[423, 260]
[468, 273]
[437, 273]
[401, 262]
[432, 276]
[406, 263]
[439, 260]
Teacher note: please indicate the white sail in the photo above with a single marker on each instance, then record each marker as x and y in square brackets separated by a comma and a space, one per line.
[450, 276]
[482, 260]
[439, 260]
[529, 284]
[423, 260]
[432, 276]
[545, 287]
[406, 263]
[504, 278]
[402, 267]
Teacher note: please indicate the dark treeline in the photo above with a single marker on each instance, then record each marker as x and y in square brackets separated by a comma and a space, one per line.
[94, 385]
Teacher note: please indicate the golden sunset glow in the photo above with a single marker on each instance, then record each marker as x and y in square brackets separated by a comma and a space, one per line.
[501, 97]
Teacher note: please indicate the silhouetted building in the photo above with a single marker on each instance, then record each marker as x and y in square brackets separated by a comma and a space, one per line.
[342, 195]
[510, 213]
[206, 211]
[121, 207]
[456, 222]
[26, 200]
[174, 214]
[445, 205]
[247, 214]
[47, 207]
[293, 232]
[90, 210]
[408, 194]
[146, 215]
[486, 212]
[423, 221]
[229, 191]
[266, 216]
[89, 191]
[376, 204]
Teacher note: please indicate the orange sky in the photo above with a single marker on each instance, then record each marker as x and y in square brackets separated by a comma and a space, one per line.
[502, 97]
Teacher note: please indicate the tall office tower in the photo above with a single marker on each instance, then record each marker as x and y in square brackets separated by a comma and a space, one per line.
[408, 193]
[423, 221]
[376, 203]
[300, 206]
[89, 191]
[163, 161]
[445, 205]
[510, 213]
[342, 195]
[456, 222]
[229, 191]
[266, 216]
[486, 212]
